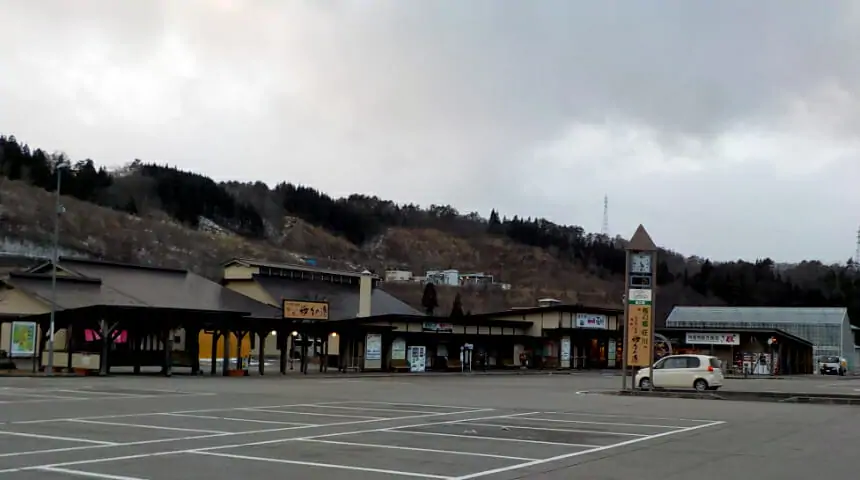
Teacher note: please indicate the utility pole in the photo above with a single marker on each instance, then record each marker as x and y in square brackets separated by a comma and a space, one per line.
[58, 210]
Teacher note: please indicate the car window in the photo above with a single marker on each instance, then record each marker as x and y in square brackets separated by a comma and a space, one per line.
[675, 362]
[715, 362]
[693, 362]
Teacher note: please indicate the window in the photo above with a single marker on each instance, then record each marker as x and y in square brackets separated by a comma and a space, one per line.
[715, 362]
[675, 362]
[694, 362]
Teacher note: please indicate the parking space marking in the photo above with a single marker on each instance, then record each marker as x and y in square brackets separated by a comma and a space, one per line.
[81, 473]
[416, 449]
[153, 427]
[568, 430]
[584, 452]
[97, 444]
[28, 395]
[55, 437]
[324, 465]
[289, 412]
[234, 419]
[583, 422]
[362, 402]
[492, 439]
[371, 409]
[613, 415]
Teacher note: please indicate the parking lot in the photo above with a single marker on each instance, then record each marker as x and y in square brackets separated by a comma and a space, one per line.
[377, 428]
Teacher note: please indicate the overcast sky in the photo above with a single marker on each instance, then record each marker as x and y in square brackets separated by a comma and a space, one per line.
[729, 129]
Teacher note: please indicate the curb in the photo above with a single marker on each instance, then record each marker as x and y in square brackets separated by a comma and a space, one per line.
[740, 396]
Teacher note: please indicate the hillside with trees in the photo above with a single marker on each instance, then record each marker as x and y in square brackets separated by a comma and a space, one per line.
[152, 213]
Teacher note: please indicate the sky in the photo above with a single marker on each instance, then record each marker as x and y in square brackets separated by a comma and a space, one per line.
[728, 129]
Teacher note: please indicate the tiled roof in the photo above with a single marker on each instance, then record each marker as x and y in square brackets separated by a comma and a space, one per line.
[343, 299]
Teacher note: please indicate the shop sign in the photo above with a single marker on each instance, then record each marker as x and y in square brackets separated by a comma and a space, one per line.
[696, 338]
[438, 327]
[305, 310]
[588, 320]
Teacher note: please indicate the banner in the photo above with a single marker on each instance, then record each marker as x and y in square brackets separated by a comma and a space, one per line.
[588, 320]
[639, 332]
[373, 347]
[437, 327]
[23, 339]
[696, 338]
[565, 349]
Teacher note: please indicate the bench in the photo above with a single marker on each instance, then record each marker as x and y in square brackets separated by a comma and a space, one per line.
[399, 365]
[454, 364]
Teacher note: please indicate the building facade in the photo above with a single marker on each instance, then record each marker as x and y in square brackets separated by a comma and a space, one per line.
[827, 329]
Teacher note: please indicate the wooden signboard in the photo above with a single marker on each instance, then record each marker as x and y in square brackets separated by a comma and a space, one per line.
[639, 328]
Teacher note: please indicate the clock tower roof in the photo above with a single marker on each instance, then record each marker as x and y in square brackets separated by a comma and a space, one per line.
[641, 241]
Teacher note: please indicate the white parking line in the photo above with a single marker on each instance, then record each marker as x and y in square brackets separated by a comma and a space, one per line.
[584, 422]
[289, 412]
[55, 437]
[491, 439]
[81, 473]
[583, 452]
[371, 409]
[571, 430]
[393, 404]
[324, 465]
[242, 445]
[610, 415]
[416, 449]
[234, 419]
[153, 427]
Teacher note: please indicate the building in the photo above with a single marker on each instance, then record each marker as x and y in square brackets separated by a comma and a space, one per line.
[448, 277]
[475, 279]
[398, 276]
[347, 295]
[826, 330]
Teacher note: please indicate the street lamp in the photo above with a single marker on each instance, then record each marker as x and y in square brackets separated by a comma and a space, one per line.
[61, 163]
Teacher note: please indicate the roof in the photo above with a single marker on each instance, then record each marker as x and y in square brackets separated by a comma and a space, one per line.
[687, 316]
[641, 241]
[564, 307]
[464, 320]
[342, 299]
[96, 282]
[295, 267]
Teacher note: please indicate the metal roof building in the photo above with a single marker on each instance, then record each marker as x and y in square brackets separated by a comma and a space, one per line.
[829, 329]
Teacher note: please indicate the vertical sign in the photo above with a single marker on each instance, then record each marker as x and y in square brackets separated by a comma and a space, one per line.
[639, 302]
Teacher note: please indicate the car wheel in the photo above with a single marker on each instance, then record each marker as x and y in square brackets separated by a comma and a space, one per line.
[700, 385]
[645, 384]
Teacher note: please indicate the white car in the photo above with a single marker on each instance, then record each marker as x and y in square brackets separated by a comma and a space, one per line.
[701, 372]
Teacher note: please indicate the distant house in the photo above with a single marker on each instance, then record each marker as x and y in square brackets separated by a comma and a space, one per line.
[398, 276]
[475, 279]
[443, 277]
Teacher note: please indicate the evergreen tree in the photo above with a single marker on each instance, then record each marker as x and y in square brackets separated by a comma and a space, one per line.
[429, 300]
[457, 307]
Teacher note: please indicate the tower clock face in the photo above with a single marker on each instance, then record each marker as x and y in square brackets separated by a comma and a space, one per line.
[640, 263]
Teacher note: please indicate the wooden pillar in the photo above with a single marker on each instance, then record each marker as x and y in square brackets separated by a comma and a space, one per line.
[168, 352]
[42, 334]
[239, 337]
[192, 347]
[283, 339]
[261, 353]
[135, 346]
[214, 366]
[225, 366]
[106, 332]
[69, 350]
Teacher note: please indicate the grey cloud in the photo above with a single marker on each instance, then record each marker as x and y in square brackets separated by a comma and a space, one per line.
[458, 102]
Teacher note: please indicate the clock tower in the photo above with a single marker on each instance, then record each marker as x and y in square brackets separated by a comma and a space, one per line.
[639, 286]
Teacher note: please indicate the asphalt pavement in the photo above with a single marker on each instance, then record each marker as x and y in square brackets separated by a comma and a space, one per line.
[447, 427]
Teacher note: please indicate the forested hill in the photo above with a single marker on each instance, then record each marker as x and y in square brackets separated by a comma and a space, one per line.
[536, 256]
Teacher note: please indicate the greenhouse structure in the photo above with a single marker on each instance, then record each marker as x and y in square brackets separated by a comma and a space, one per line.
[829, 330]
